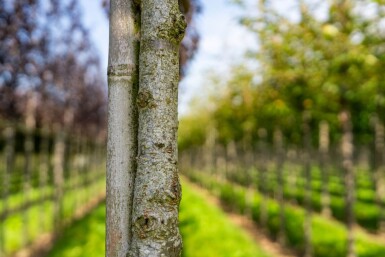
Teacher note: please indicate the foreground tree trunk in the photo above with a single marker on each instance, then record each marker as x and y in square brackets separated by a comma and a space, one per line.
[122, 125]
[157, 189]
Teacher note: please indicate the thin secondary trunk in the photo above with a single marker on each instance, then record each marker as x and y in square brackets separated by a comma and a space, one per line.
[324, 151]
[157, 188]
[347, 163]
[279, 151]
[308, 196]
[122, 125]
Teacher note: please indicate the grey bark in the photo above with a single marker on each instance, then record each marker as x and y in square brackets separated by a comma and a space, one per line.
[157, 189]
[324, 150]
[122, 124]
[347, 163]
[307, 170]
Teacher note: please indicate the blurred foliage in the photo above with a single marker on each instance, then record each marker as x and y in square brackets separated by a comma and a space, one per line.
[49, 66]
[304, 64]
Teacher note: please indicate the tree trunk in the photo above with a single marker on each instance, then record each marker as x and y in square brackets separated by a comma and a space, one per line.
[324, 150]
[122, 125]
[379, 168]
[308, 196]
[30, 125]
[209, 148]
[43, 173]
[279, 151]
[262, 170]
[157, 189]
[347, 163]
[9, 151]
[58, 175]
[231, 159]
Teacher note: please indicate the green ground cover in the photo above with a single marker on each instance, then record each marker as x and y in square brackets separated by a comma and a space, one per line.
[40, 216]
[367, 212]
[329, 237]
[206, 231]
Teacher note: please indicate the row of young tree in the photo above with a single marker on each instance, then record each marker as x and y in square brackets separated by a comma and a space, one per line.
[48, 180]
[143, 188]
[317, 93]
[49, 69]
[52, 88]
[308, 66]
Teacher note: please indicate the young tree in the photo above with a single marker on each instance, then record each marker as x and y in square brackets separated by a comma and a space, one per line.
[143, 198]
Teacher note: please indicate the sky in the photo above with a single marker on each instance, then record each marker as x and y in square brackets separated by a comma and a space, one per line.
[223, 41]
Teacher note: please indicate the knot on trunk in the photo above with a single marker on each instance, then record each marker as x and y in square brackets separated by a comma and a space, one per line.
[144, 225]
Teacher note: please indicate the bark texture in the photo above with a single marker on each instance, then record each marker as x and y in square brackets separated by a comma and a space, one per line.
[122, 124]
[157, 188]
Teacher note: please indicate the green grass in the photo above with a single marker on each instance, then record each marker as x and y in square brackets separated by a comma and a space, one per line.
[367, 212]
[206, 231]
[40, 216]
[85, 238]
[329, 237]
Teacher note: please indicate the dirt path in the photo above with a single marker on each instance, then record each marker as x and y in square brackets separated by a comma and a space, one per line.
[269, 246]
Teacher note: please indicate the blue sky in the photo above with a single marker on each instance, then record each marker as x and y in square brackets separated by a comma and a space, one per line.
[223, 41]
